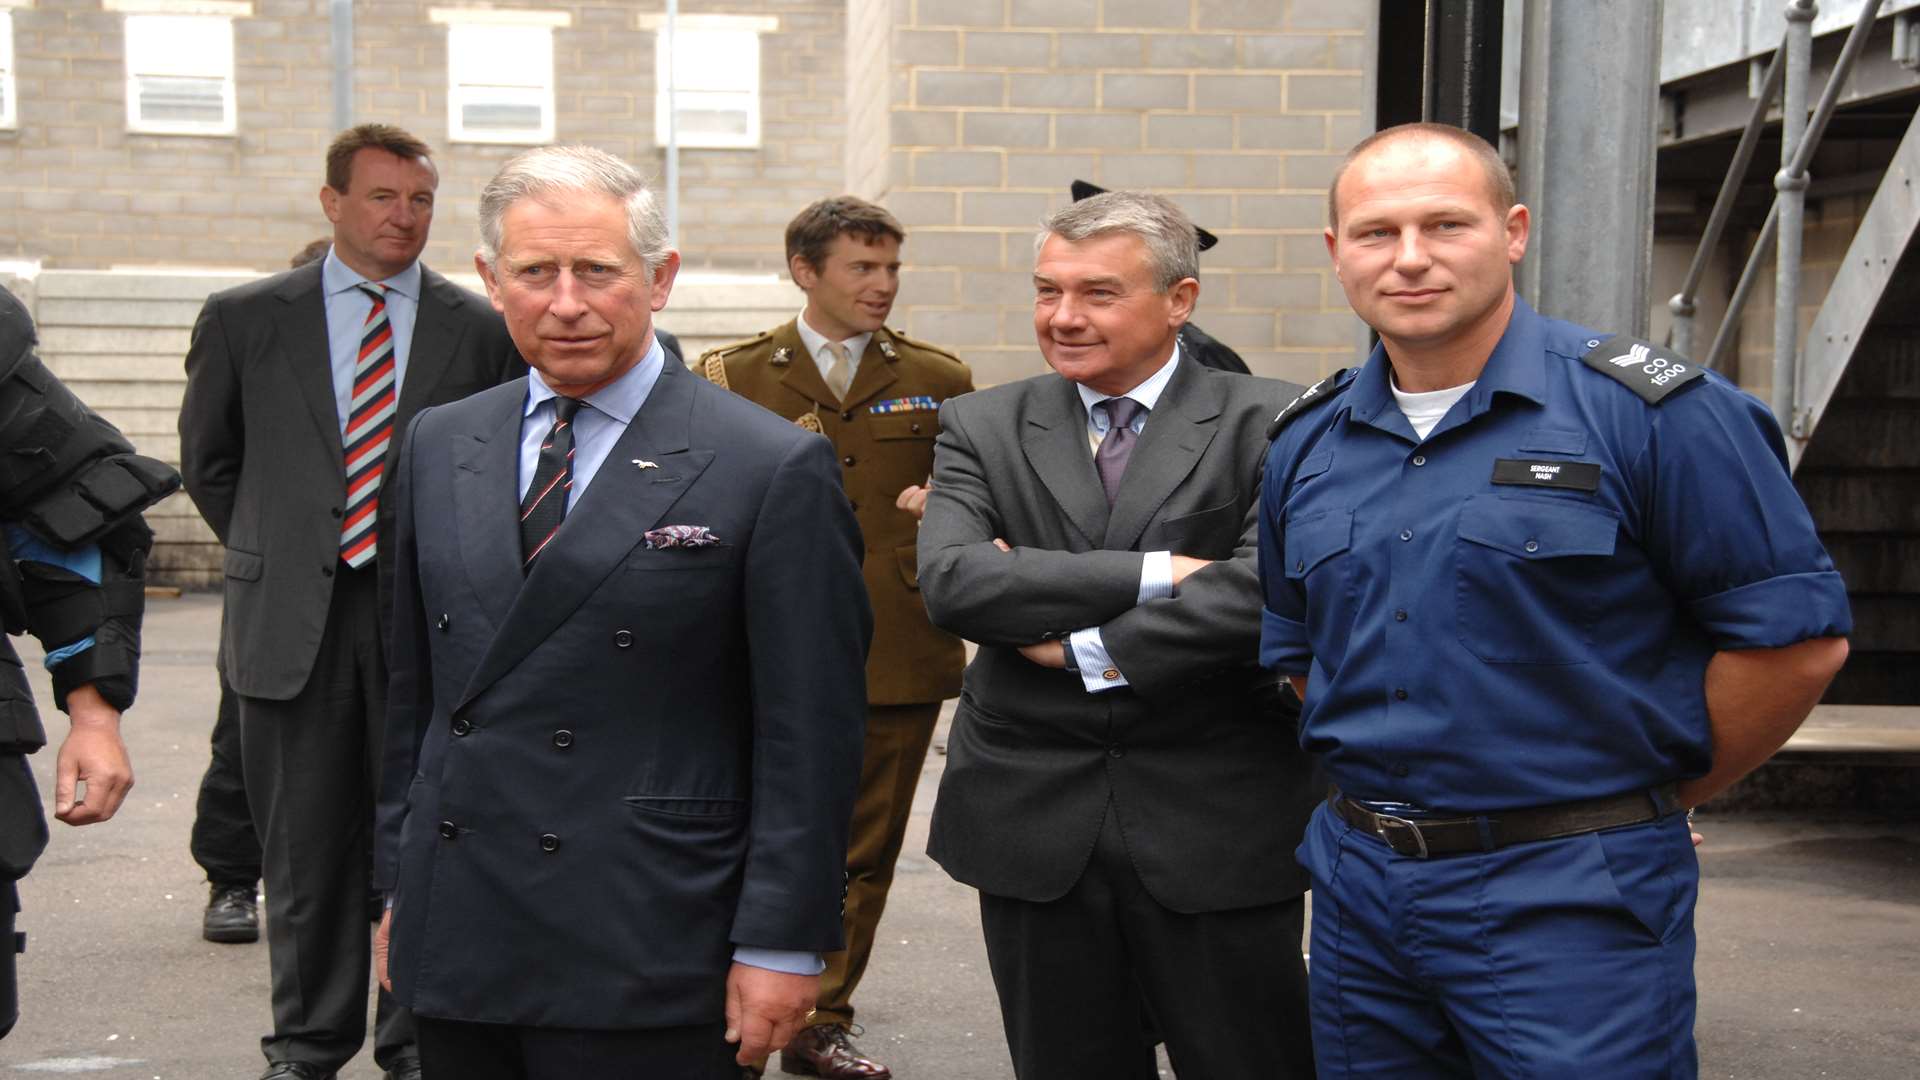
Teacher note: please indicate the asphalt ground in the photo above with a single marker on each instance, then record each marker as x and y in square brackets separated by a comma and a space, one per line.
[1809, 927]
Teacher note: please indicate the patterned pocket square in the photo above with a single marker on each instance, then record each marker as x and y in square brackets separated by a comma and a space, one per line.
[687, 536]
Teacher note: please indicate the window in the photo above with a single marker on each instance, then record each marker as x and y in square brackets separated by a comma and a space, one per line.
[499, 74]
[180, 74]
[714, 72]
[9, 113]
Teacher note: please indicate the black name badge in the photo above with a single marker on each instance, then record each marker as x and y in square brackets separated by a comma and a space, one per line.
[1572, 475]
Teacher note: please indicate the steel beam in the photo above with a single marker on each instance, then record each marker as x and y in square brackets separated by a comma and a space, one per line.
[1589, 93]
[1463, 65]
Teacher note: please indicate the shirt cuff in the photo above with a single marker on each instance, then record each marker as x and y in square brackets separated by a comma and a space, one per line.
[1283, 644]
[1156, 576]
[782, 960]
[1097, 671]
[1777, 612]
[67, 652]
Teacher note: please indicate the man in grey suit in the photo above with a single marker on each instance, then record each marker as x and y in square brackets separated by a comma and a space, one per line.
[298, 387]
[1123, 781]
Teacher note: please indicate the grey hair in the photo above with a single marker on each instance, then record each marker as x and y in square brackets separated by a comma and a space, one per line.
[1173, 248]
[553, 170]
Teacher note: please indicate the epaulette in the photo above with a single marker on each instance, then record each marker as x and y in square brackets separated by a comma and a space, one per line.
[712, 363]
[923, 346]
[1325, 390]
[1641, 366]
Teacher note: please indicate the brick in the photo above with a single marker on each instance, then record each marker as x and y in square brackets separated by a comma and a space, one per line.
[992, 367]
[1059, 91]
[1005, 129]
[1190, 132]
[1190, 50]
[1100, 50]
[1239, 92]
[1008, 50]
[952, 13]
[1075, 13]
[1005, 208]
[1016, 327]
[1299, 329]
[916, 128]
[1129, 91]
[1242, 250]
[1105, 132]
[936, 168]
[1238, 330]
[1258, 171]
[1049, 170]
[1153, 13]
[1311, 171]
[1349, 53]
[952, 327]
[1282, 132]
[933, 88]
[1207, 211]
[1144, 170]
[926, 47]
[933, 287]
[1004, 289]
[1287, 50]
[1297, 291]
[1325, 15]
[935, 247]
[1241, 14]
[916, 208]
[1304, 251]
[1332, 93]
[1279, 211]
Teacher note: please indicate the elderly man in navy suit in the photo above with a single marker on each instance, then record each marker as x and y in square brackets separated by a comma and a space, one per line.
[627, 696]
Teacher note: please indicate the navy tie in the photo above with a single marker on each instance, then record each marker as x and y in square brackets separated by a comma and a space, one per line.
[545, 505]
[1117, 447]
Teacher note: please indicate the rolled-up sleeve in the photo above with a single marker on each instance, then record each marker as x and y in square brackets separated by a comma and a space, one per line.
[1283, 620]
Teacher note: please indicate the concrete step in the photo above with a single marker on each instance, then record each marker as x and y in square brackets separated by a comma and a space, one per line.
[134, 421]
[1864, 500]
[115, 340]
[143, 284]
[1876, 562]
[1872, 432]
[105, 394]
[114, 311]
[78, 368]
[1857, 734]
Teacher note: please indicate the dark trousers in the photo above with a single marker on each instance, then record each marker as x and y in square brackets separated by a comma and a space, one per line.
[463, 1050]
[896, 748]
[311, 767]
[1226, 989]
[223, 841]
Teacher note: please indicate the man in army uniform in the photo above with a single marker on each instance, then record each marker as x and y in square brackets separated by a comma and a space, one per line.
[73, 574]
[837, 369]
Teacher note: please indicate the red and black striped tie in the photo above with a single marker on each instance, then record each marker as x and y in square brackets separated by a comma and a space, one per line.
[545, 505]
[369, 431]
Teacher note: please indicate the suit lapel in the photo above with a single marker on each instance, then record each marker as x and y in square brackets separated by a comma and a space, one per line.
[1178, 431]
[604, 525]
[801, 375]
[876, 371]
[1055, 442]
[435, 337]
[486, 474]
[301, 324]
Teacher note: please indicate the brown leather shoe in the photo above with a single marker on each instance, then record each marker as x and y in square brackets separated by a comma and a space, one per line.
[827, 1050]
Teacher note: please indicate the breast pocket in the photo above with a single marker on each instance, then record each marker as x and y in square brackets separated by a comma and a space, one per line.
[1318, 560]
[1530, 570]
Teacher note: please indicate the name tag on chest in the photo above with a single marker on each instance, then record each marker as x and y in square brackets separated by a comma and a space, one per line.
[1527, 472]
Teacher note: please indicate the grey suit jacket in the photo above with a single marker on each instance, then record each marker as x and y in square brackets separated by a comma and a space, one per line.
[260, 451]
[1199, 755]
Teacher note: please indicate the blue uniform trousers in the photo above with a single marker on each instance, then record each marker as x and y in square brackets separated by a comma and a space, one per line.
[1557, 958]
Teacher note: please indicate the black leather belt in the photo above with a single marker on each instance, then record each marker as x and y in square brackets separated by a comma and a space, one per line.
[1426, 837]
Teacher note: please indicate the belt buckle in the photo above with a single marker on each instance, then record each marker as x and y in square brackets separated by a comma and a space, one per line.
[1381, 829]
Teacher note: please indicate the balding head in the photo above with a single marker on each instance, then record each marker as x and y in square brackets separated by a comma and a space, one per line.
[1476, 149]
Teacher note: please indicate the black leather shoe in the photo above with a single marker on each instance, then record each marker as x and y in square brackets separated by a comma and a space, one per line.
[233, 915]
[405, 1069]
[828, 1051]
[295, 1070]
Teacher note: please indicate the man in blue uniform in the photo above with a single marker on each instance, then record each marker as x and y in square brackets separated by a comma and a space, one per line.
[1542, 590]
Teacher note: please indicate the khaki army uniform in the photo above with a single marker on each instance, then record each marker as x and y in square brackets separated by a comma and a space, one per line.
[883, 433]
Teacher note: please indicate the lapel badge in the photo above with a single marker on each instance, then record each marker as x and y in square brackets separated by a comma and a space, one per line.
[886, 349]
[643, 463]
[782, 356]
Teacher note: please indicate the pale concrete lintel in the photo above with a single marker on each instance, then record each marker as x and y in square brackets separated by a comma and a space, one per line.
[449, 16]
[762, 24]
[232, 9]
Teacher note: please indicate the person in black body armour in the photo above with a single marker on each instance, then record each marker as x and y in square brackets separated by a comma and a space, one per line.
[71, 493]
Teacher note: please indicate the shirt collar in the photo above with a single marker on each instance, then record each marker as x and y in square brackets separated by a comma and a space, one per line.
[1516, 366]
[620, 399]
[814, 340]
[337, 277]
[1147, 393]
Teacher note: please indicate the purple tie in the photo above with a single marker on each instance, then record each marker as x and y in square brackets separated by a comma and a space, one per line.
[1117, 447]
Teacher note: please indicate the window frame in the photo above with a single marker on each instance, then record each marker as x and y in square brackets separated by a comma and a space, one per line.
[229, 122]
[9, 85]
[460, 94]
[746, 30]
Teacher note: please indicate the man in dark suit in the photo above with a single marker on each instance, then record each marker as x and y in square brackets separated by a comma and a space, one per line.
[298, 387]
[1123, 784]
[627, 700]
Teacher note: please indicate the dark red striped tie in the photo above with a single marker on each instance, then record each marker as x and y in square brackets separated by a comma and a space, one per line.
[369, 431]
[545, 504]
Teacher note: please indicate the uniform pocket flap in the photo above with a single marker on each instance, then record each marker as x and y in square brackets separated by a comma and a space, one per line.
[1538, 528]
[907, 425]
[1315, 539]
[1313, 465]
[243, 565]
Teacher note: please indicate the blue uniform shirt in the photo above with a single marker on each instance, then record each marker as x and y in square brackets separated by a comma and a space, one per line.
[1474, 646]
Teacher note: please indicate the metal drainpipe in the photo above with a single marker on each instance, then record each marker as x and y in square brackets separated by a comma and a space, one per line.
[1792, 190]
[341, 12]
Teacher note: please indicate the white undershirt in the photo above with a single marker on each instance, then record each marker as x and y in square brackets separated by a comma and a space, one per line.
[1424, 410]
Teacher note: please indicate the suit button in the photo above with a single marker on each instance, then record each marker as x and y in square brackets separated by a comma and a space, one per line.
[326, 571]
[563, 738]
[1116, 751]
[1110, 674]
[847, 461]
[623, 639]
[915, 428]
[1400, 616]
[449, 830]
[335, 512]
[1399, 694]
[549, 843]
[461, 727]
[847, 415]
[853, 506]
[442, 622]
[1400, 770]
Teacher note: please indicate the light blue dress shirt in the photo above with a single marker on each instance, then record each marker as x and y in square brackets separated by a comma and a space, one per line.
[347, 307]
[596, 427]
[24, 546]
[1090, 655]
